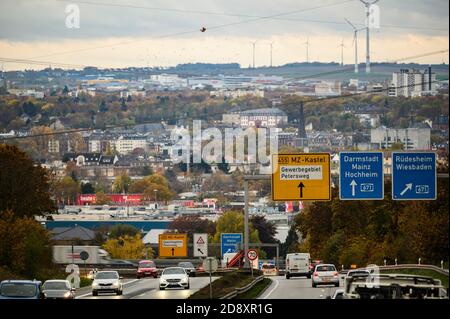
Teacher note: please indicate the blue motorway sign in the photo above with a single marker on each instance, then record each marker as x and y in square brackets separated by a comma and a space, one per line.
[414, 176]
[361, 176]
[229, 242]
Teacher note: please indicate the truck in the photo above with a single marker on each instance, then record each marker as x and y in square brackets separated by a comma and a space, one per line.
[297, 264]
[72, 255]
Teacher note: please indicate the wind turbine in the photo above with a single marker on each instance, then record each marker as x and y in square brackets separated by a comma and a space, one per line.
[253, 44]
[307, 50]
[271, 49]
[342, 51]
[368, 4]
[355, 42]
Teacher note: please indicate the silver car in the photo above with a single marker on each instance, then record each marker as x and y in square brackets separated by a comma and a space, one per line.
[107, 281]
[325, 274]
[174, 277]
[58, 289]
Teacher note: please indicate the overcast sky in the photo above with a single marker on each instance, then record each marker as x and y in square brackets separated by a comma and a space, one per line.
[119, 33]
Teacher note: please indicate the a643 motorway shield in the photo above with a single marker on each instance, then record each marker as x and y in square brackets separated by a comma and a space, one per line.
[299, 177]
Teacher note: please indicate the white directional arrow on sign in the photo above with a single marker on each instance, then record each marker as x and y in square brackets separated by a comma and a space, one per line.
[407, 188]
[353, 185]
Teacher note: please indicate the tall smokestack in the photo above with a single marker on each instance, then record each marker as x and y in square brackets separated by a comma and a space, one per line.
[301, 123]
[429, 78]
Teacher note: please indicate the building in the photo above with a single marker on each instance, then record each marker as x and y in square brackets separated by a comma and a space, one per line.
[234, 94]
[266, 117]
[415, 138]
[325, 88]
[53, 146]
[26, 92]
[413, 83]
[125, 144]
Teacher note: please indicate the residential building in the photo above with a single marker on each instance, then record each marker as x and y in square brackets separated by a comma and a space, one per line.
[266, 117]
[327, 88]
[413, 83]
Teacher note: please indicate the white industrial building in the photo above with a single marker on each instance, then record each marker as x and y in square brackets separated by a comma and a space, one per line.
[416, 138]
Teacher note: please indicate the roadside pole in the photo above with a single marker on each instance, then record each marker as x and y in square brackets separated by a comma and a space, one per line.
[246, 239]
[210, 279]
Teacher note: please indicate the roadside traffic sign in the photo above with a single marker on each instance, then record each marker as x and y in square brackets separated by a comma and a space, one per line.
[229, 242]
[252, 254]
[300, 177]
[210, 264]
[414, 176]
[361, 176]
[173, 245]
[200, 245]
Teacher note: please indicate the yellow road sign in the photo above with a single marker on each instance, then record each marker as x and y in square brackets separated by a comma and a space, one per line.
[298, 177]
[173, 245]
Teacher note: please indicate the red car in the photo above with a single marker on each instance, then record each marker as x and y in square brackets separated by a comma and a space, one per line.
[313, 264]
[146, 268]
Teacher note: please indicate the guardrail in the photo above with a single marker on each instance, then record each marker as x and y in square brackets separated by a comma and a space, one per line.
[238, 291]
[416, 266]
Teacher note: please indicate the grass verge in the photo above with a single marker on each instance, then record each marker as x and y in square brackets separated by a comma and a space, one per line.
[226, 284]
[256, 290]
[419, 272]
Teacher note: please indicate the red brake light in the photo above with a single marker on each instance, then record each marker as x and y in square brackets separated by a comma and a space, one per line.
[316, 274]
[335, 273]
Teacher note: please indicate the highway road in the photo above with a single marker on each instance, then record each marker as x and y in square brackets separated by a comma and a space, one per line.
[147, 288]
[296, 288]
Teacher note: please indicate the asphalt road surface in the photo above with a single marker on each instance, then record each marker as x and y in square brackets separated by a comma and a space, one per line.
[296, 288]
[147, 288]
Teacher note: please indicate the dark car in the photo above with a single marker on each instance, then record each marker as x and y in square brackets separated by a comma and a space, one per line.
[146, 268]
[188, 267]
[21, 289]
[58, 289]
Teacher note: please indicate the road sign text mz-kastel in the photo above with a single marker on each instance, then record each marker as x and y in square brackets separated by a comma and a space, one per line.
[301, 177]
[173, 245]
[229, 242]
[200, 245]
[414, 176]
[361, 176]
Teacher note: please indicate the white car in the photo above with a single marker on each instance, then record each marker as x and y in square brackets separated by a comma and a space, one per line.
[107, 281]
[325, 274]
[174, 277]
[338, 294]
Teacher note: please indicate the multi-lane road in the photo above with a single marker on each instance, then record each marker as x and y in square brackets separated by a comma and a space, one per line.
[296, 288]
[147, 288]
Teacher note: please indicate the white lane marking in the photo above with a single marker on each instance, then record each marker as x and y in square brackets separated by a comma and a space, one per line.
[270, 292]
[89, 294]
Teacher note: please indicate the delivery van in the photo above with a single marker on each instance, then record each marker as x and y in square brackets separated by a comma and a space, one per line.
[297, 265]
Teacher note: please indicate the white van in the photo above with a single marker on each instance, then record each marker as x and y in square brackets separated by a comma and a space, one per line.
[298, 265]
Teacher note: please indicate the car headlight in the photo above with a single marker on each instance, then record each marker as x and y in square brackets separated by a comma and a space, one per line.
[184, 279]
[94, 284]
[116, 284]
[162, 280]
[67, 294]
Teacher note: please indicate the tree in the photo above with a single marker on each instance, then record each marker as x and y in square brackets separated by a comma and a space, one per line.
[65, 91]
[121, 230]
[24, 186]
[146, 170]
[66, 188]
[87, 188]
[102, 199]
[266, 232]
[127, 247]
[149, 184]
[122, 183]
[233, 222]
[191, 225]
[24, 245]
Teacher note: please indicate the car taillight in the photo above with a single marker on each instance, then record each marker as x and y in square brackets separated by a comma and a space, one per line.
[316, 274]
[335, 274]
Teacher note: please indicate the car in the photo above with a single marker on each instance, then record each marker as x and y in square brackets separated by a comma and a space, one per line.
[338, 294]
[188, 267]
[107, 281]
[313, 264]
[21, 289]
[325, 274]
[146, 268]
[58, 289]
[297, 264]
[357, 272]
[269, 269]
[174, 277]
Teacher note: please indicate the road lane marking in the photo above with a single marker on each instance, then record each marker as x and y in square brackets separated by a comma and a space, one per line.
[90, 294]
[270, 292]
